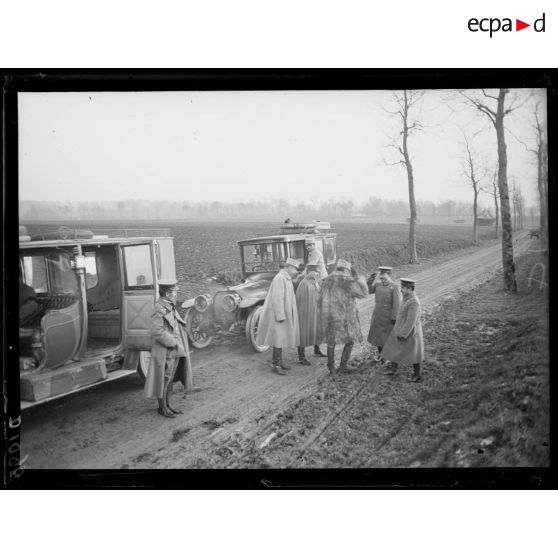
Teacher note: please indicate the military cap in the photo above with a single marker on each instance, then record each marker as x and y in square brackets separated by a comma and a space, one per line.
[168, 282]
[407, 282]
[292, 262]
[385, 268]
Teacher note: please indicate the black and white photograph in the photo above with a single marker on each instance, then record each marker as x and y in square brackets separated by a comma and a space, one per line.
[296, 274]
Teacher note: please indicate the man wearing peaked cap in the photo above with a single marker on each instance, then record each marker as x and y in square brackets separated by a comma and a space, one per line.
[169, 344]
[405, 343]
[386, 307]
[278, 326]
[315, 257]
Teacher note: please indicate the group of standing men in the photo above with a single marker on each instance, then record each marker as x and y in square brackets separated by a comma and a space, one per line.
[324, 310]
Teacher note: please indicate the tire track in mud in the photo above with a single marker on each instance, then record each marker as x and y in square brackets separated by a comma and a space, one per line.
[113, 426]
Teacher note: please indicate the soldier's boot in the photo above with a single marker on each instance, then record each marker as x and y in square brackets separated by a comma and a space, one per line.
[163, 409]
[275, 361]
[282, 365]
[302, 357]
[331, 358]
[378, 358]
[416, 377]
[318, 351]
[392, 370]
[345, 356]
[170, 387]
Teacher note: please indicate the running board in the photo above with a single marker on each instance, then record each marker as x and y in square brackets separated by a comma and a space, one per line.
[117, 374]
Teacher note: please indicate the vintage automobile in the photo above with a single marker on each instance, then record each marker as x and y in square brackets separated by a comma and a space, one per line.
[237, 309]
[94, 296]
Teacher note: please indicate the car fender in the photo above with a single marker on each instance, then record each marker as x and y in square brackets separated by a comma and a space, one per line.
[188, 303]
[248, 302]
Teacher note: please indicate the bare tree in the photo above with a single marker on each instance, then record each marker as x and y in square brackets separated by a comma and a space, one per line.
[541, 153]
[473, 174]
[495, 195]
[497, 114]
[407, 112]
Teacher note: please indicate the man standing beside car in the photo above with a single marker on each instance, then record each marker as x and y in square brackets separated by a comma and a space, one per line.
[168, 362]
[338, 312]
[315, 257]
[278, 325]
[386, 307]
[307, 295]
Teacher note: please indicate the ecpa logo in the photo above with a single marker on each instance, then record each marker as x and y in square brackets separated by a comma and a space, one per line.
[494, 24]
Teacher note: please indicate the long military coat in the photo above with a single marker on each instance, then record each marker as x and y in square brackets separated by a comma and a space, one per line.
[280, 304]
[409, 326]
[337, 306]
[307, 295]
[167, 330]
[386, 308]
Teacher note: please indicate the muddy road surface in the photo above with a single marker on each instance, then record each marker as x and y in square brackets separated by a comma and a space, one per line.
[114, 426]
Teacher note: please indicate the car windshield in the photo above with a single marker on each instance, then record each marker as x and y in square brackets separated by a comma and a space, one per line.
[265, 256]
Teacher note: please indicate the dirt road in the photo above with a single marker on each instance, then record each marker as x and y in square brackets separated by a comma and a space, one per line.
[113, 426]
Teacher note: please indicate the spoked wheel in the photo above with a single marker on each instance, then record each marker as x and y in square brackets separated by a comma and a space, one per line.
[143, 365]
[199, 339]
[252, 329]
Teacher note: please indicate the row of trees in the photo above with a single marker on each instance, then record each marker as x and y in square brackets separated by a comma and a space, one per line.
[270, 209]
[495, 106]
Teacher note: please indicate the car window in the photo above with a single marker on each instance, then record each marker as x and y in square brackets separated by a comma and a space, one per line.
[296, 250]
[35, 272]
[264, 256]
[91, 277]
[137, 265]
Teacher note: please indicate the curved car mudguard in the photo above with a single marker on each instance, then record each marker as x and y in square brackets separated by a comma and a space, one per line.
[248, 302]
[188, 303]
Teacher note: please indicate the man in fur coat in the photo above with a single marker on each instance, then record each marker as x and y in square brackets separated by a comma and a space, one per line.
[338, 312]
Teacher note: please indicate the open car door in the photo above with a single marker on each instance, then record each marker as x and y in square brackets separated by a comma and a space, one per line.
[138, 295]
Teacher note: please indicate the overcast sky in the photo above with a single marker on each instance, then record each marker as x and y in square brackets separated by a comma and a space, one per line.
[233, 146]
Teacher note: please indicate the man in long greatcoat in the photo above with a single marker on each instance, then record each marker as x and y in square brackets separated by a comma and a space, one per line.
[338, 312]
[307, 295]
[386, 307]
[405, 344]
[278, 325]
[168, 362]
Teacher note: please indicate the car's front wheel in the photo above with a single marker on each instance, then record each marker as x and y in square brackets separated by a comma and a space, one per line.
[252, 329]
[199, 339]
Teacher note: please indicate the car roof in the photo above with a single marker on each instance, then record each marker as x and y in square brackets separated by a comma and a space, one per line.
[85, 241]
[283, 238]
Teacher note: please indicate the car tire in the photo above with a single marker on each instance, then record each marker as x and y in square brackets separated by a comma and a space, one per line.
[143, 363]
[252, 329]
[197, 339]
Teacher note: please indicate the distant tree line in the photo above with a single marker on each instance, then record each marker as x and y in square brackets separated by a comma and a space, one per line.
[274, 209]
